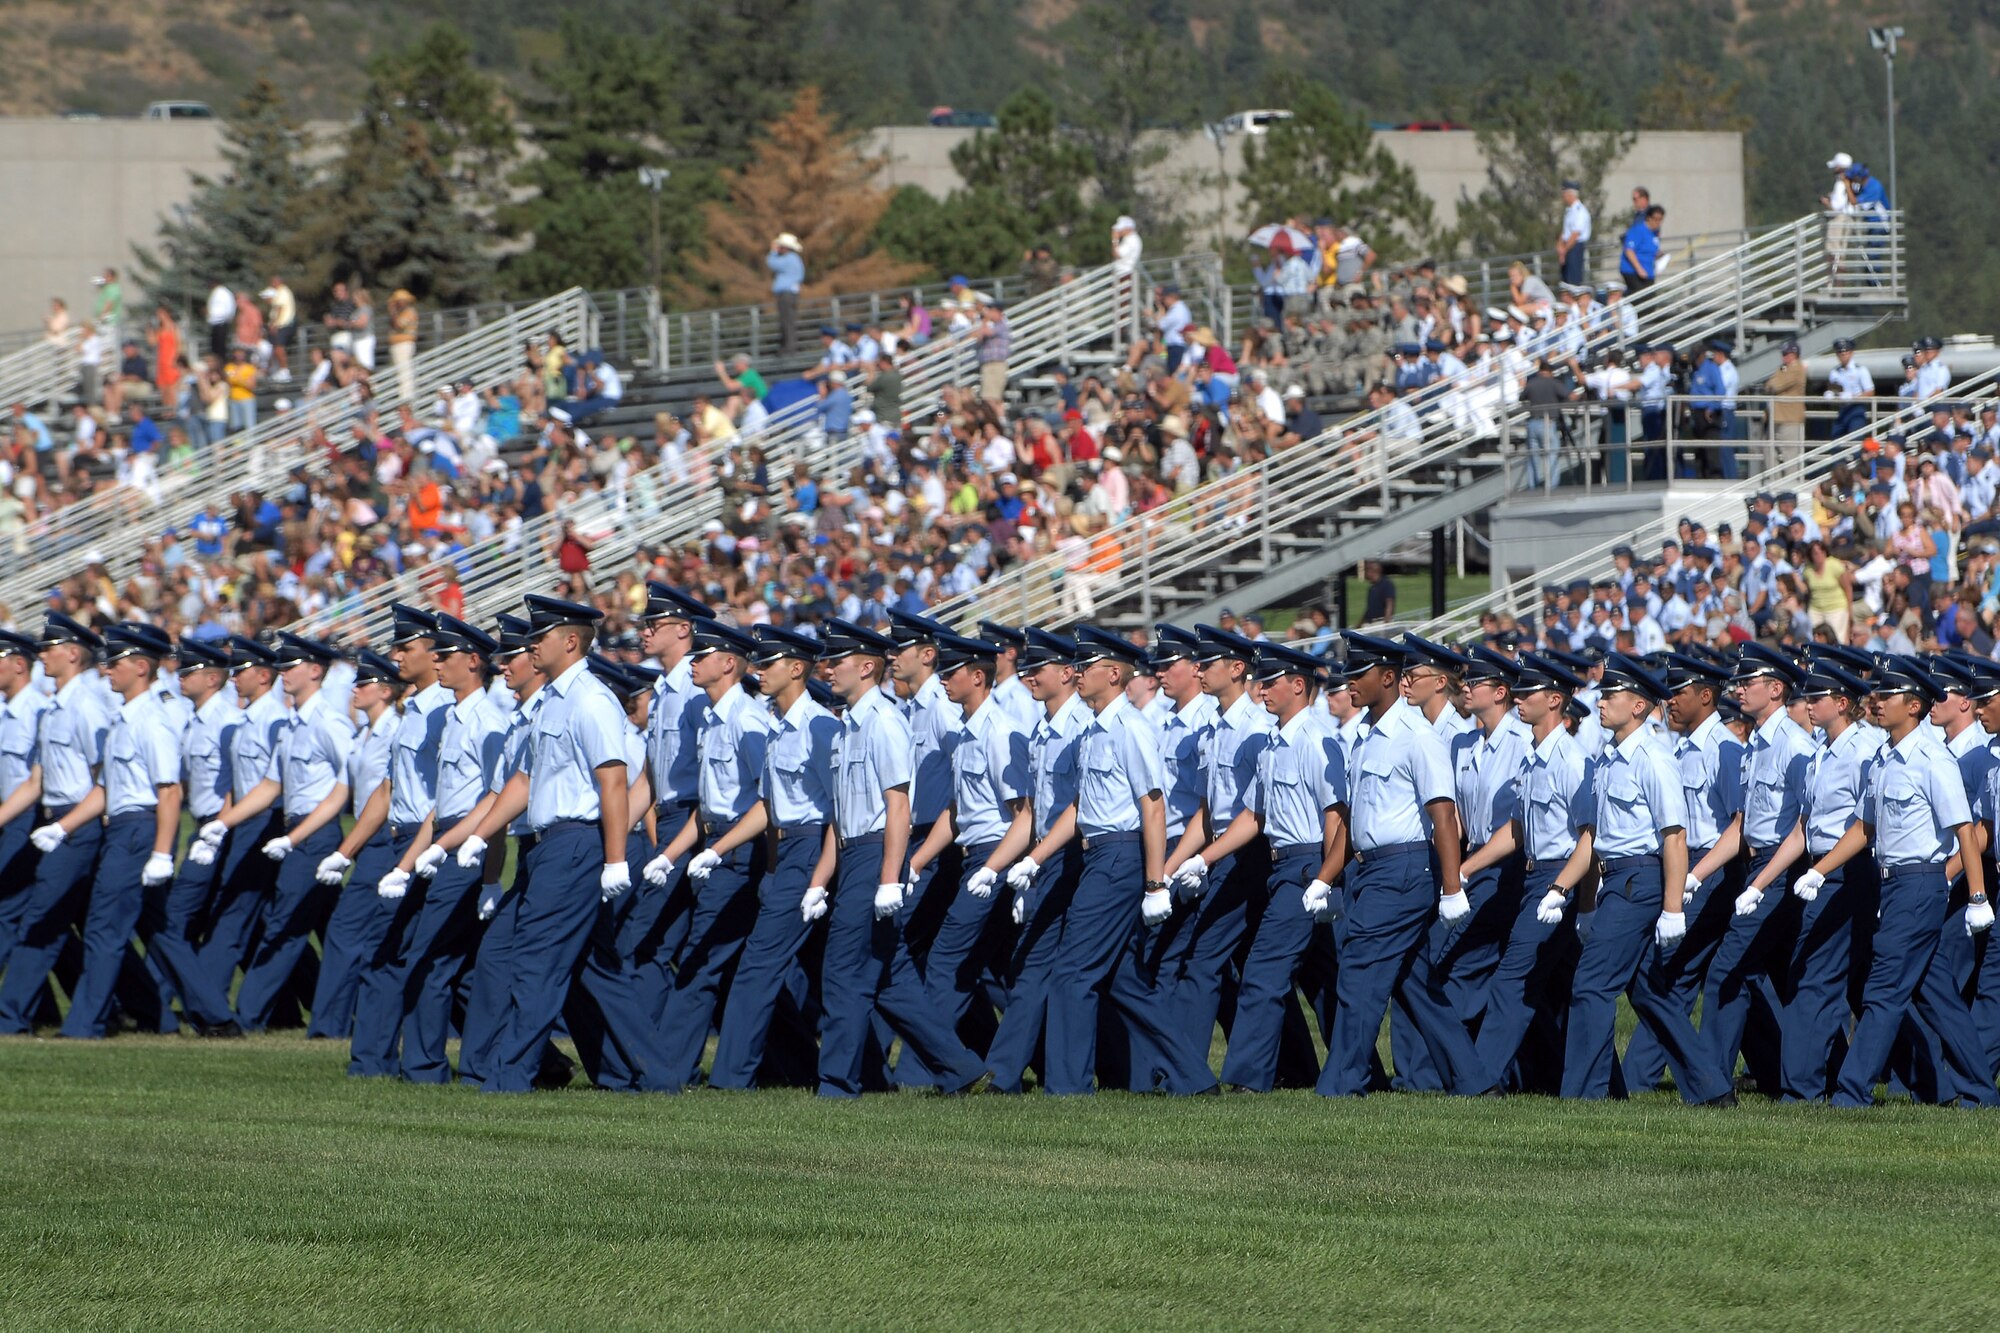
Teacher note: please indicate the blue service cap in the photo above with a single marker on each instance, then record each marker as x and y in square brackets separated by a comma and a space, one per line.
[1621, 549]
[1482, 663]
[774, 644]
[293, 649]
[1096, 645]
[907, 629]
[194, 654]
[1537, 671]
[1951, 675]
[1825, 677]
[453, 635]
[828, 331]
[611, 673]
[1626, 674]
[1433, 345]
[1843, 344]
[59, 628]
[1366, 652]
[957, 650]
[1754, 660]
[408, 622]
[712, 636]
[247, 652]
[1900, 673]
[131, 638]
[666, 602]
[1006, 636]
[843, 638]
[1436, 655]
[1685, 669]
[371, 666]
[1045, 648]
[1171, 643]
[823, 695]
[1276, 661]
[546, 613]
[1213, 645]
[512, 636]
[16, 644]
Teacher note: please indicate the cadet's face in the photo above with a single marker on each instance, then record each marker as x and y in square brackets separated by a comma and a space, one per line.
[1044, 682]
[1620, 708]
[299, 677]
[1989, 713]
[659, 636]
[1181, 679]
[129, 673]
[961, 684]
[909, 664]
[708, 669]
[773, 677]
[1684, 707]
[370, 695]
[1900, 710]
[415, 658]
[1485, 694]
[1537, 706]
[845, 674]
[518, 670]
[1423, 685]
[1949, 709]
[459, 671]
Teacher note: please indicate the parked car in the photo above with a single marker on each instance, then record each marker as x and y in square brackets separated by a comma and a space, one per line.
[1253, 122]
[179, 111]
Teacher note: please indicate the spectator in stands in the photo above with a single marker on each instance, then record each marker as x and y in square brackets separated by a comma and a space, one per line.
[221, 319]
[133, 380]
[1127, 247]
[241, 374]
[1528, 290]
[281, 316]
[1380, 608]
[363, 324]
[339, 322]
[1573, 238]
[995, 346]
[1039, 270]
[915, 329]
[786, 260]
[1639, 255]
[403, 322]
[110, 311]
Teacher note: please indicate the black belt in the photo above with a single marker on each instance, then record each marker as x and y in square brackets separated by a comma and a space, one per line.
[1614, 864]
[861, 840]
[404, 830]
[55, 812]
[130, 817]
[783, 833]
[1362, 858]
[1287, 848]
[1755, 850]
[555, 824]
[1091, 840]
[675, 807]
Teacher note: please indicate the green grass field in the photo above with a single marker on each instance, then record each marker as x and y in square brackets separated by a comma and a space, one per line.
[168, 1182]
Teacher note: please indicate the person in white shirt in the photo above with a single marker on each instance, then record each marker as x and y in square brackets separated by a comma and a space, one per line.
[1573, 241]
[1268, 401]
[221, 318]
[1126, 245]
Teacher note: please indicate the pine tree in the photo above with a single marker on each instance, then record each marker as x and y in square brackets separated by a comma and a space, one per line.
[809, 179]
[742, 60]
[1535, 134]
[466, 121]
[239, 228]
[1325, 161]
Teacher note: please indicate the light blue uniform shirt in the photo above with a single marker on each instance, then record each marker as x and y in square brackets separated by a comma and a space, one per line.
[1710, 759]
[1774, 779]
[1451, 724]
[1017, 703]
[673, 736]
[255, 748]
[989, 771]
[1833, 786]
[933, 722]
[368, 761]
[72, 743]
[141, 754]
[1486, 775]
[875, 755]
[175, 710]
[798, 765]
[413, 757]
[1556, 798]
[1187, 738]
[1913, 796]
[1242, 733]
[733, 736]
[1118, 762]
[1398, 769]
[578, 729]
[474, 734]
[315, 754]
[20, 729]
[514, 753]
[206, 750]
[1157, 710]
[1300, 776]
[1052, 749]
[1639, 798]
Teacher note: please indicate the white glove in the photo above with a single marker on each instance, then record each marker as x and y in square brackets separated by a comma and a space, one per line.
[1747, 901]
[813, 906]
[278, 848]
[1156, 906]
[1670, 928]
[489, 902]
[703, 864]
[1022, 874]
[1808, 885]
[1454, 907]
[659, 869]
[429, 860]
[394, 885]
[980, 883]
[213, 832]
[331, 868]
[202, 853]
[1693, 885]
[160, 868]
[613, 880]
[1319, 901]
[1585, 924]
[1021, 907]
[48, 837]
[888, 898]
[1190, 877]
[1978, 917]
[1549, 911]
[471, 852]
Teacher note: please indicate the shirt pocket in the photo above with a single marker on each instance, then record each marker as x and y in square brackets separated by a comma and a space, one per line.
[1905, 811]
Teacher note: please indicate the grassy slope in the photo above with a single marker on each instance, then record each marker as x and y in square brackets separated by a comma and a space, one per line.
[166, 1182]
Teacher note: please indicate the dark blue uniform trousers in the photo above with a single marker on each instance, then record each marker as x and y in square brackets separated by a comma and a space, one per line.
[868, 971]
[116, 900]
[18, 858]
[654, 933]
[1963, 956]
[1519, 994]
[962, 972]
[763, 994]
[1265, 1002]
[1020, 1040]
[56, 901]
[1686, 967]
[1816, 980]
[440, 941]
[1093, 962]
[1621, 955]
[1210, 942]
[290, 915]
[1903, 979]
[551, 928]
[1391, 904]
[379, 989]
[604, 1014]
[244, 886]
[353, 934]
[725, 908]
[929, 896]
[492, 975]
[1741, 990]
[1457, 961]
[176, 948]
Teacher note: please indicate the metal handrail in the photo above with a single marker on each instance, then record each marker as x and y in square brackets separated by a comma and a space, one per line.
[116, 525]
[1452, 413]
[39, 374]
[1723, 505]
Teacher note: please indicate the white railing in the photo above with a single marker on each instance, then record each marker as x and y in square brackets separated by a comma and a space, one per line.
[1523, 597]
[39, 374]
[1786, 264]
[117, 524]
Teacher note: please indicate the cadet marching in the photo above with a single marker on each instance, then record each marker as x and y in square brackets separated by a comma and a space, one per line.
[864, 861]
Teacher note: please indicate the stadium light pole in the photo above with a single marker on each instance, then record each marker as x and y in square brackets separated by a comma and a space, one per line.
[655, 179]
[1884, 40]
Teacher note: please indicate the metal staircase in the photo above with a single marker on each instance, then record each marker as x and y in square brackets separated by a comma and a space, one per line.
[1285, 523]
[114, 526]
[39, 374]
[1523, 597]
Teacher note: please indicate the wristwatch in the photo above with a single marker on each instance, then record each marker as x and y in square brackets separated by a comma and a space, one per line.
[1977, 898]
[1154, 885]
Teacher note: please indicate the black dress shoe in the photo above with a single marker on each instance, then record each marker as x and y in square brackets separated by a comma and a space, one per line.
[554, 1075]
[220, 1031]
[1726, 1101]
